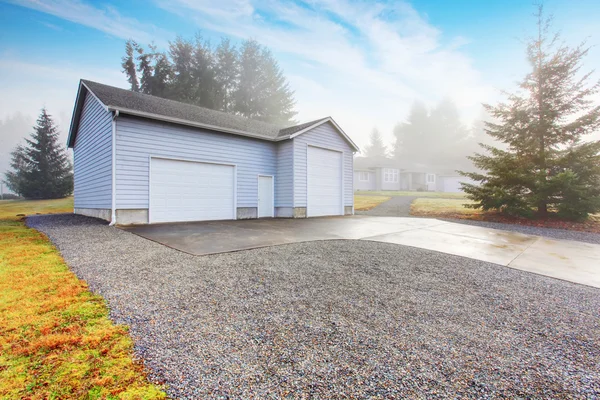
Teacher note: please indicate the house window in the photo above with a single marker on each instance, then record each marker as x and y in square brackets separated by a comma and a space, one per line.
[363, 176]
[430, 178]
[390, 175]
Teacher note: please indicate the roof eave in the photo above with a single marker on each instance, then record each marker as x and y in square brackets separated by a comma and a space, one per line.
[179, 121]
[328, 119]
[76, 115]
[82, 91]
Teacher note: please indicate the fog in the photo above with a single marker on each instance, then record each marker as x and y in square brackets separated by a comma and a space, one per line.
[364, 65]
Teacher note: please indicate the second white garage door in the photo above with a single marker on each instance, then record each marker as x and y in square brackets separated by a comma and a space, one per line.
[190, 191]
[324, 175]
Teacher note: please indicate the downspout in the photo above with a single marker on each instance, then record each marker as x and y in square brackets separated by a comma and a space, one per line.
[113, 217]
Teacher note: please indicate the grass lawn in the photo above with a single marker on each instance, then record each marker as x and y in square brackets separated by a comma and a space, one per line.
[365, 203]
[394, 193]
[441, 206]
[453, 208]
[56, 338]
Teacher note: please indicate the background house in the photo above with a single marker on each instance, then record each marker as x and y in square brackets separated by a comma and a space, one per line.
[375, 173]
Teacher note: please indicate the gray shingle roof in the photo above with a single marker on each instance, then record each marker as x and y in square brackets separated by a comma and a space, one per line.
[153, 107]
[119, 98]
[285, 132]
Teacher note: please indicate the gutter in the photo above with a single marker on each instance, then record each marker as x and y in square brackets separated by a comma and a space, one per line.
[113, 216]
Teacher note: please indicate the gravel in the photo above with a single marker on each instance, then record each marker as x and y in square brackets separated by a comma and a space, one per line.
[394, 207]
[338, 319]
[563, 234]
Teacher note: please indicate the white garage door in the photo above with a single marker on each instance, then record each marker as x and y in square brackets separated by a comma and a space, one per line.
[190, 191]
[452, 184]
[324, 174]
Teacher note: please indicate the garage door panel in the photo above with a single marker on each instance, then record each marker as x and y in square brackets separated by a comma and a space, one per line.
[190, 191]
[324, 175]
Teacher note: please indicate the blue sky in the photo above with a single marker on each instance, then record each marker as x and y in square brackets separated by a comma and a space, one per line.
[361, 62]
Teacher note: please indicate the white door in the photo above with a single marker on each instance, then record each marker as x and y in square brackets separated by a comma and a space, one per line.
[324, 175]
[190, 191]
[265, 196]
[430, 180]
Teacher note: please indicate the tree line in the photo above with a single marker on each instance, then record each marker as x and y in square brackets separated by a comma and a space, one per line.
[246, 81]
[433, 136]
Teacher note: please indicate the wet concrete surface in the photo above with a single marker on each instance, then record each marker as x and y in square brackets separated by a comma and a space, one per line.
[571, 261]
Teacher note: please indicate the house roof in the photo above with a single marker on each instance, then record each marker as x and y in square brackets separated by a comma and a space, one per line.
[146, 106]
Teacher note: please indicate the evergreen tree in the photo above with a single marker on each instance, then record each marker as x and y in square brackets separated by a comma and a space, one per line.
[162, 73]
[226, 75]
[182, 87]
[546, 165]
[262, 91]
[128, 64]
[411, 144]
[41, 170]
[146, 70]
[203, 75]
[248, 82]
[376, 147]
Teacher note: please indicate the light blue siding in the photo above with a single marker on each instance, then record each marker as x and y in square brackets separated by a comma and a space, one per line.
[92, 155]
[328, 137]
[139, 139]
[284, 195]
[364, 185]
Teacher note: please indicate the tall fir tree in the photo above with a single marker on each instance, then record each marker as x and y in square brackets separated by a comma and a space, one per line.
[41, 170]
[411, 136]
[546, 165]
[376, 148]
[262, 92]
[129, 66]
[226, 74]
[248, 82]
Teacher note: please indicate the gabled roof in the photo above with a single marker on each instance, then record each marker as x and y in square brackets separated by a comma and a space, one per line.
[146, 106]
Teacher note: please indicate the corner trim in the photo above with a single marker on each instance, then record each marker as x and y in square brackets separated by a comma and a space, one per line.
[113, 214]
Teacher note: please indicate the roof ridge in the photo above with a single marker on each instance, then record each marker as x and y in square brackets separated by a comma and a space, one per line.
[177, 102]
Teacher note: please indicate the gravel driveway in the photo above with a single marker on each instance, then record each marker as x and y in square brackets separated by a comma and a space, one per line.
[338, 319]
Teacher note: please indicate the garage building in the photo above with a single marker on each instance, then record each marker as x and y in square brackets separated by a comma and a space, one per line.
[143, 159]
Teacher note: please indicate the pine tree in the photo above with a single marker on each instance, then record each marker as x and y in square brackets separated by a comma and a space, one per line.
[262, 92]
[546, 165]
[182, 88]
[226, 74]
[146, 70]
[41, 170]
[376, 147]
[411, 144]
[248, 82]
[128, 64]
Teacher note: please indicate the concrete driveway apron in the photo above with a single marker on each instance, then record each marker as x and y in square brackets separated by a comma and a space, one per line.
[569, 260]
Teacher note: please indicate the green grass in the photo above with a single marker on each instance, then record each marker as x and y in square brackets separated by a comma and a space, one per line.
[394, 193]
[10, 209]
[56, 340]
[365, 203]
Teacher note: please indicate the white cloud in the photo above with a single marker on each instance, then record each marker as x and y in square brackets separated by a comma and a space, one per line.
[106, 19]
[369, 61]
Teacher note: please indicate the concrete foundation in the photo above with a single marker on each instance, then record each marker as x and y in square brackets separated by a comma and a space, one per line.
[348, 210]
[284, 212]
[247, 212]
[131, 217]
[299, 212]
[101, 213]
